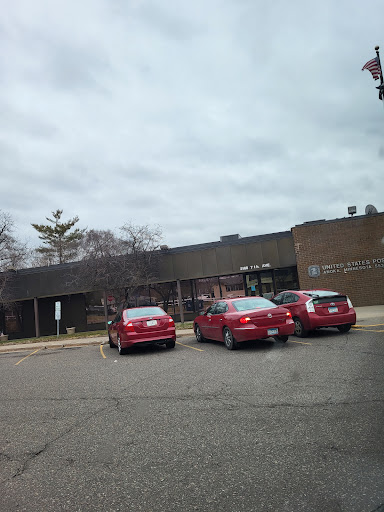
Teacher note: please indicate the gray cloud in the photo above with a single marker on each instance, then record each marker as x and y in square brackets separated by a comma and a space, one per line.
[246, 117]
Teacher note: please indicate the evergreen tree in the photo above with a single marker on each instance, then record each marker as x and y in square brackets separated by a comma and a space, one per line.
[60, 244]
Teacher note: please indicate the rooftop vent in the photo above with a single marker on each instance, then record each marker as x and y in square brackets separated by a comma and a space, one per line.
[230, 238]
[164, 247]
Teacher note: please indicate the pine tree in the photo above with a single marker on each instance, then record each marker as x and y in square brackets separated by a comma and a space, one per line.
[60, 245]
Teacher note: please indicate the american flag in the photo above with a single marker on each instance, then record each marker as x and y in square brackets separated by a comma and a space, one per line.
[374, 67]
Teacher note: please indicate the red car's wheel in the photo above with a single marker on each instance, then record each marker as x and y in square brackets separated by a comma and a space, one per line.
[199, 336]
[282, 338]
[229, 340]
[344, 328]
[119, 347]
[170, 344]
[300, 331]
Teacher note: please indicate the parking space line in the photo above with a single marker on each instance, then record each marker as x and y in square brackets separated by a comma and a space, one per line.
[21, 360]
[368, 330]
[102, 352]
[301, 342]
[375, 325]
[194, 348]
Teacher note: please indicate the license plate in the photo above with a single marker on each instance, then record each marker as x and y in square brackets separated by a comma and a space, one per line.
[151, 322]
[333, 310]
[272, 332]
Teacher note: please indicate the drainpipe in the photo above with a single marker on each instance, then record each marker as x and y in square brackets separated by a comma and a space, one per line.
[37, 321]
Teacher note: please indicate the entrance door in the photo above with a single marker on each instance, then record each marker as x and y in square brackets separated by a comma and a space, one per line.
[260, 283]
[266, 284]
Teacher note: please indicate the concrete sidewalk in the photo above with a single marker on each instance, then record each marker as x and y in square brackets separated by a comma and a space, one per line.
[364, 316]
[68, 343]
[366, 312]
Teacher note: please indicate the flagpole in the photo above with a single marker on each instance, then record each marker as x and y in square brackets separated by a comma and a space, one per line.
[381, 73]
[381, 69]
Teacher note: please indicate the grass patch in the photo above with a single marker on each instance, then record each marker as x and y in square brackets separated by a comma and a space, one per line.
[54, 337]
[185, 325]
[78, 335]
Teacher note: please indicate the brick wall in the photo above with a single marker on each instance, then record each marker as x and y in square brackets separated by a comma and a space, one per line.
[350, 254]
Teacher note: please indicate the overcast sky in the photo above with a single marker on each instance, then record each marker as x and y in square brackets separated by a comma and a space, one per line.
[208, 118]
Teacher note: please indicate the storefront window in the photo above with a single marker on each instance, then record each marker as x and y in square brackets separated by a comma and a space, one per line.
[231, 286]
[95, 307]
[139, 296]
[11, 319]
[206, 292]
[286, 279]
[164, 294]
[188, 303]
[267, 283]
[260, 283]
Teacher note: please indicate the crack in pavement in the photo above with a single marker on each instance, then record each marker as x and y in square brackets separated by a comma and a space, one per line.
[6, 456]
[24, 466]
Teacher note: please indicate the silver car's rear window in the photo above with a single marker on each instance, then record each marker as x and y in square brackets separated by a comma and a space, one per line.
[252, 303]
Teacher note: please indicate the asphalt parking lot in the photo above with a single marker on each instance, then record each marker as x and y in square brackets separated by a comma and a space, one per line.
[272, 426]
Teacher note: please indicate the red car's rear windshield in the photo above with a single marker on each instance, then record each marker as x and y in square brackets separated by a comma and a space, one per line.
[149, 311]
[252, 303]
[321, 293]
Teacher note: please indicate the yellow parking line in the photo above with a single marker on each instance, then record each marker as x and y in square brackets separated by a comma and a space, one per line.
[376, 325]
[194, 348]
[29, 355]
[102, 352]
[367, 330]
[301, 342]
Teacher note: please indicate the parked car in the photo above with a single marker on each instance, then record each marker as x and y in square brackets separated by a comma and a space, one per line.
[148, 325]
[241, 319]
[313, 309]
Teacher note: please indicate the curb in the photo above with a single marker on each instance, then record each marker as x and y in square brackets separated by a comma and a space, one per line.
[53, 345]
[6, 349]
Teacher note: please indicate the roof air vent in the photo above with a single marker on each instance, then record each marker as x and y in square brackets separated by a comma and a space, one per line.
[230, 238]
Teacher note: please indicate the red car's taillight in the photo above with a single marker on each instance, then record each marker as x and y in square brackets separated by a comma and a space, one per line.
[129, 327]
[171, 322]
[245, 319]
[289, 314]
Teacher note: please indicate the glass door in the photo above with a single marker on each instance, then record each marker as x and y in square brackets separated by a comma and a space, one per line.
[260, 283]
[266, 284]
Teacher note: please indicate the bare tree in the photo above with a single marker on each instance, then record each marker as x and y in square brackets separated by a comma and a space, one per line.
[12, 252]
[99, 243]
[13, 255]
[141, 244]
[115, 263]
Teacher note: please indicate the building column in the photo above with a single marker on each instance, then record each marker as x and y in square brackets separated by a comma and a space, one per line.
[37, 320]
[245, 285]
[180, 299]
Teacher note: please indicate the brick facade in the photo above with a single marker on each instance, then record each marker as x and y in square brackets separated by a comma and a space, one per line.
[347, 253]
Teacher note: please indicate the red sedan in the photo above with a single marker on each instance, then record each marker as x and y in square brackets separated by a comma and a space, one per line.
[148, 325]
[312, 309]
[243, 319]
